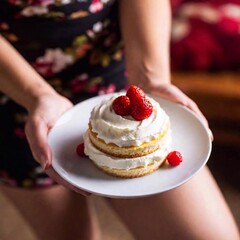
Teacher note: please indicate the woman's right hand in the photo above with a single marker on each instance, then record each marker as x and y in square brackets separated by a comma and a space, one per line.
[43, 114]
[20, 82]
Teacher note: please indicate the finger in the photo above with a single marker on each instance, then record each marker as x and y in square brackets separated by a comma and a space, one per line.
[55, 176]
[36, 132]
[193, 106]
[172, 93]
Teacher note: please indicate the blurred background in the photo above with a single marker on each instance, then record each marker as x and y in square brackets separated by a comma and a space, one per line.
[205, 59]
[205, 62]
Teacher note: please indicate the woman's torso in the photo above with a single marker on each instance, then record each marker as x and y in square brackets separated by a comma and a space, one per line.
[72, 43]
[76, 47]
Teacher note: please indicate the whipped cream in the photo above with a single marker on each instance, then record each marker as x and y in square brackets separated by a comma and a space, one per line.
[103, 159]
[126, 131]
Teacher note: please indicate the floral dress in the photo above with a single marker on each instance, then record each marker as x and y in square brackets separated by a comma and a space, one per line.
[76, 46]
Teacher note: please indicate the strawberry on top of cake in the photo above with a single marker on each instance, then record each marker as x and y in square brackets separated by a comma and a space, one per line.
[129, 134]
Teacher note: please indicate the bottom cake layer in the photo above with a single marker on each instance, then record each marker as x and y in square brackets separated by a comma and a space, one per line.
[126, 167]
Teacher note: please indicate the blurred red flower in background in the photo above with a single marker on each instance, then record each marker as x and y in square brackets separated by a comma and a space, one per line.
[205, 35]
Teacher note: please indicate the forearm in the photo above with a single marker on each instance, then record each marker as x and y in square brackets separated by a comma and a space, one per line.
[145, 28]
[18, 79]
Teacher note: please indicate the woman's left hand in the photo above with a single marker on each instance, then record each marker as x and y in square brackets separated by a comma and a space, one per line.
[173, 93]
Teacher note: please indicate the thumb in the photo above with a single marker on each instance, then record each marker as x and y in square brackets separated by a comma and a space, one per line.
[36, 132]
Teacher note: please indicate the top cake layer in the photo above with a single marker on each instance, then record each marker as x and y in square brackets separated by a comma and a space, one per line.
[125, 131]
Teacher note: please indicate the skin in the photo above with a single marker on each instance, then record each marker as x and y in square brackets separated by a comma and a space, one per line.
[44, 105]
[196, 202]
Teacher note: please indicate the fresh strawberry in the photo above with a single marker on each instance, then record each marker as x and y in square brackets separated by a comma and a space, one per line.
[122, 106]
[141, 109]
[174, 158]
[134, 93]
[80, 150]
[135, 103]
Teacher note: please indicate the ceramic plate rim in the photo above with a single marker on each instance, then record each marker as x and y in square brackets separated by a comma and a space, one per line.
[60, 171]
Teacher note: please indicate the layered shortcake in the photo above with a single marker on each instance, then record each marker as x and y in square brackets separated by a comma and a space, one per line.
[128, 136]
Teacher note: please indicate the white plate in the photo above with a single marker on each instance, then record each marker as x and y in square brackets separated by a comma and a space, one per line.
[190, 137]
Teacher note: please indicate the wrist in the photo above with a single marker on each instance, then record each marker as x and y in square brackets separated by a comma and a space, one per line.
[149, 75]
[34, 95]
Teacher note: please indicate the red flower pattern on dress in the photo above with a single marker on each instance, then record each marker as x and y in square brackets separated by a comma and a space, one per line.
[30, 8]
[96, 6]
[78, 83]
[6, 179]
[53, 61]
[20, 133]
[109, 89]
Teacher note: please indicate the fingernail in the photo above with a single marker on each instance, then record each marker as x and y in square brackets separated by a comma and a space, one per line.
[47, 165]
[85, 194]
[44, 163]
[210, 134]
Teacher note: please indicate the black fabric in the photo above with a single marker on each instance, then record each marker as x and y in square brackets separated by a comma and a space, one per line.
[32, 36]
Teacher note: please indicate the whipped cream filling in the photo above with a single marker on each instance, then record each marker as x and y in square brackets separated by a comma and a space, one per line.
[126, 131]
[103, 159]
